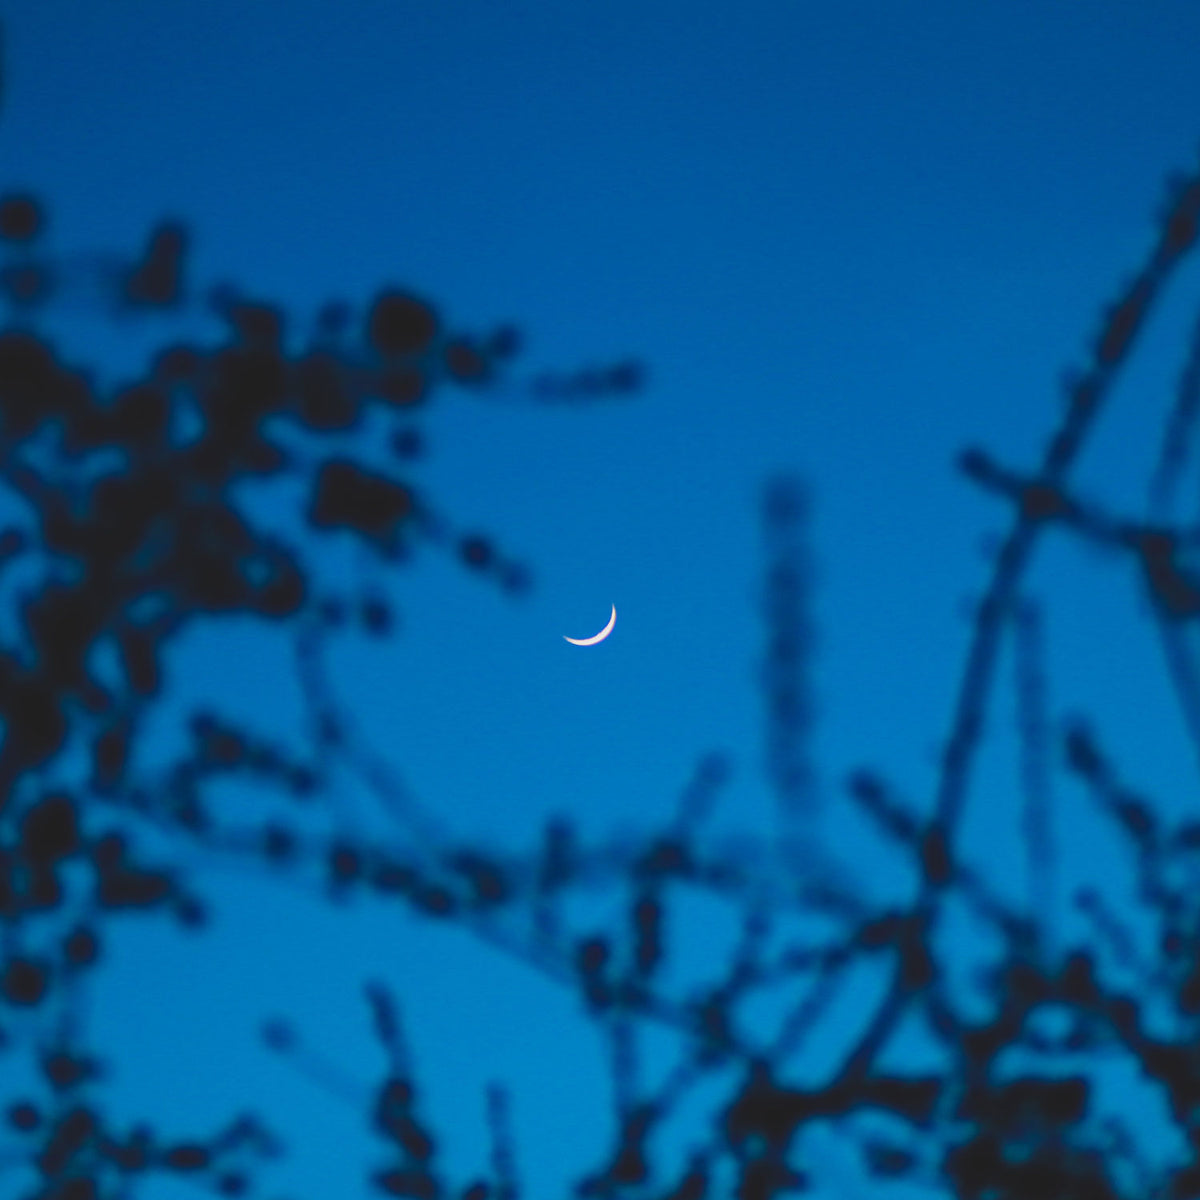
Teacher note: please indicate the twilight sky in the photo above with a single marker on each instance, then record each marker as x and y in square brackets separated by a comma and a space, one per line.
[847, 240]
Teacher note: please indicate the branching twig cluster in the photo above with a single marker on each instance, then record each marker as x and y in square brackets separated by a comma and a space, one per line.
[129, 513]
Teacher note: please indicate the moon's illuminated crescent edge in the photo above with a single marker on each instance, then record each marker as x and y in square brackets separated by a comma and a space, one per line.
[599, 637]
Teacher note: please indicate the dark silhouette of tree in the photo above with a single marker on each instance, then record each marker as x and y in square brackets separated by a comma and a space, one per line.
[132, 518]
[133, 523]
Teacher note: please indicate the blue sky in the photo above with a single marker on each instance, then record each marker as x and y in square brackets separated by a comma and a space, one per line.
[847, 240]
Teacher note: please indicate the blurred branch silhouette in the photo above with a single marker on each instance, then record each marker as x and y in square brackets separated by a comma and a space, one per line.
[133, 526]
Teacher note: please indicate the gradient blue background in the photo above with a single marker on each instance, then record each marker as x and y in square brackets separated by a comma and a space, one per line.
[847, 239]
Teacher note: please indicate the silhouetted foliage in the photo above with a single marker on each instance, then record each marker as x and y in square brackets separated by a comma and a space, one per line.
[132, 508]
[135, 550]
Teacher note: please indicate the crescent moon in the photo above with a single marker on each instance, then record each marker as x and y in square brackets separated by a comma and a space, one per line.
[599, 637]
